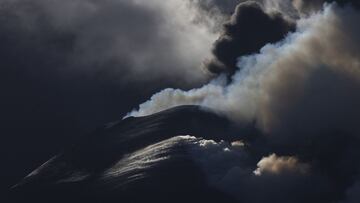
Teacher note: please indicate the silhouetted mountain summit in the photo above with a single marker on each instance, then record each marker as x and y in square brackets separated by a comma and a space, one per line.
[132, 160]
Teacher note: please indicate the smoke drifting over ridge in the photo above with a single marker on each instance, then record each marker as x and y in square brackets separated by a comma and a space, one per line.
[287, 82]
[302, 93]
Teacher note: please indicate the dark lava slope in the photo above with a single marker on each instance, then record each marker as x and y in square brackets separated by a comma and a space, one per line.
[111, 164]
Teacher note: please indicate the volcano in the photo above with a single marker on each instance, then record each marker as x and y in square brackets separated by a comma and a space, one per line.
[132, 160]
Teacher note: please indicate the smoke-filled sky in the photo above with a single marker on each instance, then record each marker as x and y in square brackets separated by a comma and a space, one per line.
[291, 67]
[300, 85]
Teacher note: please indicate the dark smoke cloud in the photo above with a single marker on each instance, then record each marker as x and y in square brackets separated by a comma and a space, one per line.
[254, 24]
[302, 93]
[249, 29]
[284, 92]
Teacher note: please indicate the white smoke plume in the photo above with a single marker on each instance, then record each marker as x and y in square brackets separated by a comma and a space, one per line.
[307, 83]
[274, 164]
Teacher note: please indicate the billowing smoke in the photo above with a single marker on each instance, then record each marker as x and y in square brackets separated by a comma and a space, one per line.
[254, 24]
[295, 78]
[302, 93]
[289, 82]
[231, 168]
[278, 165]
[249, 29]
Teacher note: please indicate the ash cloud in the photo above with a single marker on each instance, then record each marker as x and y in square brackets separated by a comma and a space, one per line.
[302, 93]
[287, 81]
[254, 24]
[249, 29]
